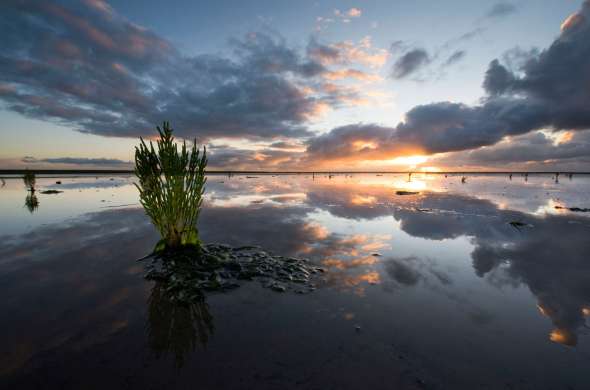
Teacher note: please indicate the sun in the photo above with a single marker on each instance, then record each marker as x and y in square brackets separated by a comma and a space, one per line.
[410, 161]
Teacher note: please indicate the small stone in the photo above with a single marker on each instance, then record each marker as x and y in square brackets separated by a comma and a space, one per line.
[278, 287]
[230, 285]
[234, 266]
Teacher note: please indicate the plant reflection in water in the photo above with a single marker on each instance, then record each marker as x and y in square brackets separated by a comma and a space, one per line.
[178, 320]
[31, 202]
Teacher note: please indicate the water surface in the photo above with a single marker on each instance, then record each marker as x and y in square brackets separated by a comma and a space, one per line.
[433, 290]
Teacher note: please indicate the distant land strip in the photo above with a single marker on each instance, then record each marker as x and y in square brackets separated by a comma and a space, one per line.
[90, 172]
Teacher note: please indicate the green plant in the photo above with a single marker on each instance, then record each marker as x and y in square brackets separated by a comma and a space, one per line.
[171, 187]
[29, 180]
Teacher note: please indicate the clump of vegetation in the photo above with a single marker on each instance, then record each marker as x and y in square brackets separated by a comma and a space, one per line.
[29, 180]
[171, 187]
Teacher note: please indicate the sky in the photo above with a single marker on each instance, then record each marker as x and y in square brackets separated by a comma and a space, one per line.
[298, 85]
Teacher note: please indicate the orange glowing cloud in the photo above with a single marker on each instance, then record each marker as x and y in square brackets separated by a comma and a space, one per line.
[359, 200]
[351, 74]
[362, 53]
[571, 21]
[563, 336]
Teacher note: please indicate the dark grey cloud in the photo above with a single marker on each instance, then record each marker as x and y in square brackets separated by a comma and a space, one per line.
[341, 142]
[516, 58]
[76, 161]
[530, 148]
[498, 79]
[455, 57]
[402, 271]
[245, 159]
[399, 46]
[323, 53]
[469, 35]
[411, 270]
[500, 10]
[285, 145]
[419, 62]
[410, 63]
[92, 69]
[445, 126]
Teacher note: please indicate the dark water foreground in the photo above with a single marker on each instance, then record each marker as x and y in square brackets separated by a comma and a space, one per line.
[430, 291]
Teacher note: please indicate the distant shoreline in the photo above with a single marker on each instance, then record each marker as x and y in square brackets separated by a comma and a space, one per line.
[90, 172]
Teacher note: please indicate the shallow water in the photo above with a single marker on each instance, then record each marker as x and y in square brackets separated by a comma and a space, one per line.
[434, 290]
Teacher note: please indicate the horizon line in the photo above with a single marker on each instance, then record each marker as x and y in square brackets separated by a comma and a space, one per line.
[321, 172]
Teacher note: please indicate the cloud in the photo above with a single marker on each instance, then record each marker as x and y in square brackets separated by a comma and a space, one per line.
[429, 129]
[348, 52]
[325, 54]
[409, 63]
[445, 126]
[498, 79]
[76, 161]
[572, 21]
[422, 64]
[351, 74]
[354, 12]
[401, 271]
[469, 35]
[536, 149]
[276, 158]
[87, 67]
[549, 92]
[357, 141]
[500, 10]
[560, 287]
[351, 13]
[455, 57]
[344, 16]
[286, 145]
